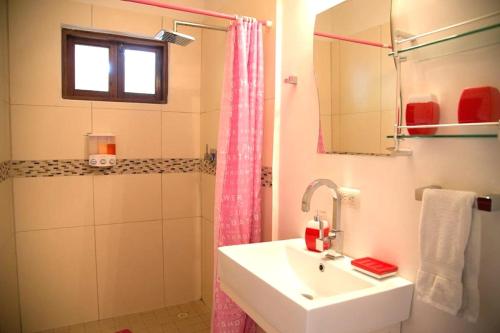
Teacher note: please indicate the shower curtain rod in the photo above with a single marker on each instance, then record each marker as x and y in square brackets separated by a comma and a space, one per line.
[352, 40]
[194, 10]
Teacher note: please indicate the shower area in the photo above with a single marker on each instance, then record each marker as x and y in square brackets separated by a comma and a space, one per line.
[87, 251]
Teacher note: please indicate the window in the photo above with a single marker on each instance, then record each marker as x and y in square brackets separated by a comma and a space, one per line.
[106, 67]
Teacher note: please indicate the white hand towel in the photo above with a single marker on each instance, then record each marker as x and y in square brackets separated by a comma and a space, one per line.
[449, 253]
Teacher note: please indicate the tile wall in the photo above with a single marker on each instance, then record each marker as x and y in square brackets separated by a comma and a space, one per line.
[9, 298]
[98, 244]
[93, 246]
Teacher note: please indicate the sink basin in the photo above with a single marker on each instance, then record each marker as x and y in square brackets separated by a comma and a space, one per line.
[286, 288]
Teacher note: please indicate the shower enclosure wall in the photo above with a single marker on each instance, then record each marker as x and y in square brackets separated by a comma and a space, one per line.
[92, 246]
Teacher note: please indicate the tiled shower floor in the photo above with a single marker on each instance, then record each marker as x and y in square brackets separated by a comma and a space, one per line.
[191, 317]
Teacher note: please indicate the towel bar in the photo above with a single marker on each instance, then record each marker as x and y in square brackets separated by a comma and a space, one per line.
[488, 203]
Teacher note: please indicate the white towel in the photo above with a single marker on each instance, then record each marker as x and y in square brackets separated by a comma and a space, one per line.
[449, 252]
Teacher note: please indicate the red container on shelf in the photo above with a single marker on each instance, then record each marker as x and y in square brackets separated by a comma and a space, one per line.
[479, 104]
[422, 110]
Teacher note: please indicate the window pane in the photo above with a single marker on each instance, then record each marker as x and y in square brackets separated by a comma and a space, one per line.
[140, 69]
[91, 68]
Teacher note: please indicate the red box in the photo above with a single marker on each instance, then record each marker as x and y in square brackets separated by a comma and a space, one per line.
[312, 234]
[422, 113]
[479, 104]
[374, 265]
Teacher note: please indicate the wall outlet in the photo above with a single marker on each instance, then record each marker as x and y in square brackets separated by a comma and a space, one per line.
[349, 196]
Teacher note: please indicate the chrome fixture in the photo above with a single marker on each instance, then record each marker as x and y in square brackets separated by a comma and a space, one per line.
[210, 156]
[306, 206]
[181, 39]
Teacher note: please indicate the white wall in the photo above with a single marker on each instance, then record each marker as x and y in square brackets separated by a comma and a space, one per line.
[385, 224]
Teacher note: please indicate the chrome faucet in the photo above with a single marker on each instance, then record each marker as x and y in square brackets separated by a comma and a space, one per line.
[306, 205]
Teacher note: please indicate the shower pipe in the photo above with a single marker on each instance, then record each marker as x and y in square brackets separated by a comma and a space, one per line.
[194, 10]
[352, 40]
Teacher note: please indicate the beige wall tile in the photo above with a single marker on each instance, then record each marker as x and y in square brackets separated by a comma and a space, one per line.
[44, 132]
[9, 302]
[6, 213]
[326, 129]
[182, 246]
[267, 213]
[336, 137]
[387, 73]
[4, 53]
[267, 140]
[322, 73]
[209, 129]
[57, 277]
[269, 59]
[386, 128]
[181, 195]
[335, 49]
[126, 106]
[207, 196]
[53, 202]
[36, 80]
[360, 75]
[127, 198]
[360, 132]
[10, 320]
[207, 268]
[180, 135]
[138, 133]
[129, 267]
[125, 21]
[212, 71]
[184, 72]
[4, 131]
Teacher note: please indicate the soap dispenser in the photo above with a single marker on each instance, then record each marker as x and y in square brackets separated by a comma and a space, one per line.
[312, 234]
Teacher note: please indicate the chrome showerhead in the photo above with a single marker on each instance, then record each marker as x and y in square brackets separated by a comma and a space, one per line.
[174, 37]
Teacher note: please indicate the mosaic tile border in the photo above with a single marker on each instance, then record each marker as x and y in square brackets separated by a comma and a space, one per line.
[4, 170]
[266, 177]
[208, 167]
[56, 168]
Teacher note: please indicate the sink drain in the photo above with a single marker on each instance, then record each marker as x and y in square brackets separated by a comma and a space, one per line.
[308, 296]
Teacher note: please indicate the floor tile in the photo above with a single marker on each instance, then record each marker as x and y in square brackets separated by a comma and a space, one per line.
[192, 317]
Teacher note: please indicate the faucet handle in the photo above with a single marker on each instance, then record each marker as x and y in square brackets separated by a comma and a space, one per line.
[333, 233]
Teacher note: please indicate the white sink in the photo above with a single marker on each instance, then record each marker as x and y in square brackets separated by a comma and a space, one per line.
[280, 285]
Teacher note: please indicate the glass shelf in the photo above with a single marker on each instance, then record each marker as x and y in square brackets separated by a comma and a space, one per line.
[443, 136]
[448, 38]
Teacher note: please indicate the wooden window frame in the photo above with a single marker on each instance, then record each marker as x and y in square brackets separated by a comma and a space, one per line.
[117, 45]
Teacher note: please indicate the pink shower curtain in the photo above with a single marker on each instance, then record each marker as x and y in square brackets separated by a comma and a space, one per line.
[239, 152]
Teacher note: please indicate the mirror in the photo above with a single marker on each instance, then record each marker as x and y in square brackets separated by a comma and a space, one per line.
[356, 82]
